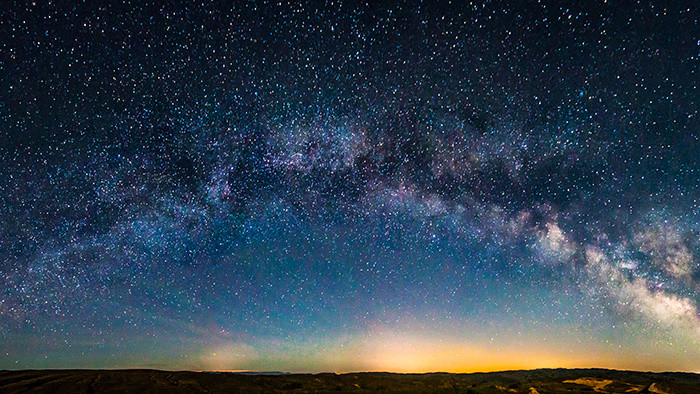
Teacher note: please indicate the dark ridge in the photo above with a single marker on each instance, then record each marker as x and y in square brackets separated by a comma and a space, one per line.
[541, 380]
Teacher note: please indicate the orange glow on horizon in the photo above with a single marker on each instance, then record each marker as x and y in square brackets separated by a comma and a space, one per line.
[408, 354]
[385, 349]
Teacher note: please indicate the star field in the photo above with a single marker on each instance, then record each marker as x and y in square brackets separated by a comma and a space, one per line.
[349, 187]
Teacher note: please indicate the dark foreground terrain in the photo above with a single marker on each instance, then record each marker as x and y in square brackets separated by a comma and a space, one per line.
[531, 382]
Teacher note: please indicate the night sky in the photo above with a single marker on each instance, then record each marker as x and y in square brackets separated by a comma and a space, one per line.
[350, 187]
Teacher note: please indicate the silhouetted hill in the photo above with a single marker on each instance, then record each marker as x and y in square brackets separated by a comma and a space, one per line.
[531, 382]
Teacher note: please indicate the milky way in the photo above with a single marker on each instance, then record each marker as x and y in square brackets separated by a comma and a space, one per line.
[350, 187]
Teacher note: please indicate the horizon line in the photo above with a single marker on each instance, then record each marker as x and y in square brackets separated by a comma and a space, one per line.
[261, 372]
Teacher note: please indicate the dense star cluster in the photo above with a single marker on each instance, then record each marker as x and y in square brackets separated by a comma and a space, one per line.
[268, 186]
